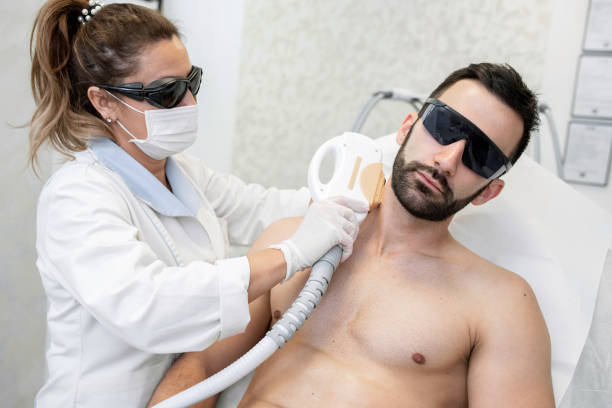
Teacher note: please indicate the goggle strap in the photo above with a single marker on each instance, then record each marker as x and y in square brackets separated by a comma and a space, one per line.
[428, 110]
[503, 169]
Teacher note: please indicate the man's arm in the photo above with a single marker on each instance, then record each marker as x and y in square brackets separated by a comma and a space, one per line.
[191, 368]
[510, 363]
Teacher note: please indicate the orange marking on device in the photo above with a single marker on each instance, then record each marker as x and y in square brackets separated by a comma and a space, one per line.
[351, 183]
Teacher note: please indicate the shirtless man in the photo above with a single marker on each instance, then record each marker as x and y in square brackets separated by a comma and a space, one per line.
[412, 318]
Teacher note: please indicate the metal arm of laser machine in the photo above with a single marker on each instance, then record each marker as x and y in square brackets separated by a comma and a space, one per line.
[391, 93]
[559, 157]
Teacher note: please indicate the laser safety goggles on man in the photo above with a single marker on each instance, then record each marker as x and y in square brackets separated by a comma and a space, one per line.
[161, 93]
[447, 126]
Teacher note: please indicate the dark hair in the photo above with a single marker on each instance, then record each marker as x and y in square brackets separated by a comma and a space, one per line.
[504, 82]
[67, 58]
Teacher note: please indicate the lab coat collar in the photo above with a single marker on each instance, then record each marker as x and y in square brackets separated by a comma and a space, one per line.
[185, 200]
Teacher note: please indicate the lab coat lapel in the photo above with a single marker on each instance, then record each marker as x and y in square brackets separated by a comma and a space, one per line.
[193, 198]
[163, 233]
[209, 221]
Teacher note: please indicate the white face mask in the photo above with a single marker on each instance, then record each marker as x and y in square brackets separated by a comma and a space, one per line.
[169, 131]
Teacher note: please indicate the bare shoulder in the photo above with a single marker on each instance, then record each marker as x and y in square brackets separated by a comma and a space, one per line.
[502, 305]
[512, 300]
[500, 288]
[276, 232]
[508, 331]
[494, 293]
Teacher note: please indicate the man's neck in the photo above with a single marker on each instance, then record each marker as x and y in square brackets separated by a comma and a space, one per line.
[391, 230]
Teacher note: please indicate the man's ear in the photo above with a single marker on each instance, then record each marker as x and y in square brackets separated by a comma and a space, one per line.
[493, 189]
[402, 133]
[105, 104]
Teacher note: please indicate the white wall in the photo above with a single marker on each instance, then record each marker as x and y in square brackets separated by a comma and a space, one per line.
[212, 34]
[307, 68]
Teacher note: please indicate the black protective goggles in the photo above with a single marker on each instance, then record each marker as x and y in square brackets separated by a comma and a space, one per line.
[447, 126]
[162, 93]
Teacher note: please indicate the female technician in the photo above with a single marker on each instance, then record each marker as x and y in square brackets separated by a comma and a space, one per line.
[132, 234]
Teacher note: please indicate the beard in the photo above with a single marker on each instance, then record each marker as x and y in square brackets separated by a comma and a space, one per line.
[418, 198]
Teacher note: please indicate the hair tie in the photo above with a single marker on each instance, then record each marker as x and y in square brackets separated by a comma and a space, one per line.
[94, 7]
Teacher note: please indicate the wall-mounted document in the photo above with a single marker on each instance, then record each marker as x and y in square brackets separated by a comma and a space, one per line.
[593, 96]
[588, 151]
[598, 35]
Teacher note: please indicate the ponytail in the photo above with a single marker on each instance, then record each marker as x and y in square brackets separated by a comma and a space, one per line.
[68, 58]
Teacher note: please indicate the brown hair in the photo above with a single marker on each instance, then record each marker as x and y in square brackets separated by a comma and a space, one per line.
[68, 58]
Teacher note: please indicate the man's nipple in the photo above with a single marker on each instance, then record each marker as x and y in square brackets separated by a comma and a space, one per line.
[418, 358]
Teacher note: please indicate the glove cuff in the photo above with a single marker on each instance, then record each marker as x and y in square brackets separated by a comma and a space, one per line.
[284, 248]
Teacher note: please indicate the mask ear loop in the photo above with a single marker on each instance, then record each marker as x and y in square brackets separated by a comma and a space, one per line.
[133, 139]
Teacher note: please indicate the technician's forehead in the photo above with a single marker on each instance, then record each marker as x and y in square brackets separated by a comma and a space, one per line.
[496, 119]
[162, 59]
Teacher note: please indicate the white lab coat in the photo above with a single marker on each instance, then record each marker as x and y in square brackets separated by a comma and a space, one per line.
[134, 273]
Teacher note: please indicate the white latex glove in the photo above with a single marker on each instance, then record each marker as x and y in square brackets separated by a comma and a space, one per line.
[327, 223]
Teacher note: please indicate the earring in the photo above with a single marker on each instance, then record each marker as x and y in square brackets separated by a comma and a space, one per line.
[109, 120]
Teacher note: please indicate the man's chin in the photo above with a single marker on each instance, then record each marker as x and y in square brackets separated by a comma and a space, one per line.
[419, 206]
[428, 215]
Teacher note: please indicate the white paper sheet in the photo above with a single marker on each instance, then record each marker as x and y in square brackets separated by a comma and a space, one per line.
[599, 27]
[594, 87]
[587, 159]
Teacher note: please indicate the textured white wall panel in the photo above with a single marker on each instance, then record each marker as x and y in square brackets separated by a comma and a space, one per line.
[307, 67]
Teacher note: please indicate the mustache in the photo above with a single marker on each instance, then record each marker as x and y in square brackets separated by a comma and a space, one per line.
[414, 166]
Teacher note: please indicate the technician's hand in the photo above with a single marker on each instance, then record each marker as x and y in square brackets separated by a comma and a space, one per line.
[327, 223]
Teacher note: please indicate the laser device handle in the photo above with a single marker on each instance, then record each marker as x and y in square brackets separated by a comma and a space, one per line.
[357, 169]
[318, 189]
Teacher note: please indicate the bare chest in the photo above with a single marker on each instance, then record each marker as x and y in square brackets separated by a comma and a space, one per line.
[400, 319]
